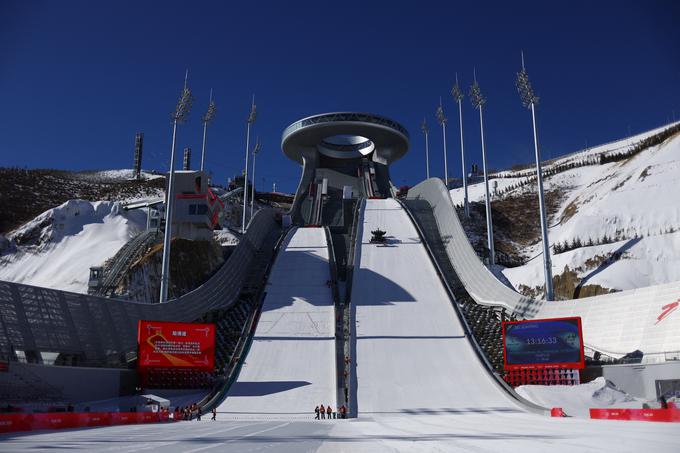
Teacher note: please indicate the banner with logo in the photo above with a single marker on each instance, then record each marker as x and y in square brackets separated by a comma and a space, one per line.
[176, 345]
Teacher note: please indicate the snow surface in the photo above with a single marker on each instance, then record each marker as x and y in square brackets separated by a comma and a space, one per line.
[577, 400]
[122, 174]
[411, 351]
[79, 234]
[290, 368]
[467, 431]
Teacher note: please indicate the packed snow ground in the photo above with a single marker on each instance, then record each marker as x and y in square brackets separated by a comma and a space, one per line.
[577, 400]
[75, 236]
[290, 367]
[438, 432]
[412, 353]
[633, 202]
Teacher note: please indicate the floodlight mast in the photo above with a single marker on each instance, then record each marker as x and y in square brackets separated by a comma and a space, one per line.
[442, 121]
[251, 119]
[178, 117]
[208, 117]
[458, 97]
[256, 149]
[530, 100]
[478, 102]
[426, 132]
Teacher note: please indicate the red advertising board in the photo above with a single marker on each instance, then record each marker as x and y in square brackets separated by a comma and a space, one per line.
[543, 343]
[176, 345]
[64, 420]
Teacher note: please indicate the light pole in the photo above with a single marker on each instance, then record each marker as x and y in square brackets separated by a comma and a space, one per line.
[442, 121]
[178, 117]
[251, 119]
[209, 115]
[426, 131]
[529, 100]
[458, 97]
[256, 149]
[478, 102]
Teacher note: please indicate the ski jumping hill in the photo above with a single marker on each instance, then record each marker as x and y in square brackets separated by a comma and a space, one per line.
[290, 367]
[412, 354]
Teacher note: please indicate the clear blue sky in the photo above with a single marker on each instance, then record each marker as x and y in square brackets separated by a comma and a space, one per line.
[78, 79]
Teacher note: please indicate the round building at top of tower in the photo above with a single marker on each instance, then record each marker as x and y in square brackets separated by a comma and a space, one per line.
[346, 135]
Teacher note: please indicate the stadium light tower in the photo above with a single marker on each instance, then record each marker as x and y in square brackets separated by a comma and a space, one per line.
[478, 102]
[530, 100]
[208, 117]
[178, 117]
[256, 149]
[458, 97]
[426, 132]
[251, 119]
[442, 121]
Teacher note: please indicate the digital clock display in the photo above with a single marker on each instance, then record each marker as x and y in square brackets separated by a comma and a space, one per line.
[543, 343]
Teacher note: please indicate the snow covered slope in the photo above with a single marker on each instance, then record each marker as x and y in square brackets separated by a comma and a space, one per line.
[57, 248]
[577, 400]
[411, 352]
[618, 222]
[290, 367]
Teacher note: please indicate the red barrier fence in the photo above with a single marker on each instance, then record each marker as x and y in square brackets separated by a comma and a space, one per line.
[646, 415]
[63, 420]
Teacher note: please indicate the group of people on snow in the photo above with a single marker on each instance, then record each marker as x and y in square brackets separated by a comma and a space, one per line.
[327, 412]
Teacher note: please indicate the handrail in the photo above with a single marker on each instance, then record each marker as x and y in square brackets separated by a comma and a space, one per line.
[466, 327]
[344, 116]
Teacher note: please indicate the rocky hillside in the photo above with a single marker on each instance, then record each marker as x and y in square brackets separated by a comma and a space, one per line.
[24, 194]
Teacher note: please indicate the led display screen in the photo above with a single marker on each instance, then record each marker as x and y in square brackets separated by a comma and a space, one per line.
[543, 343]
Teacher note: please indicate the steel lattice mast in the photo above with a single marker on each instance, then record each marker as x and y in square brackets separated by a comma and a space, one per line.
[530, 100]
[426, 132]
[458, 97]
[442, 122]
[256, 149]
[478, 102]
[251, 119]
[208, 117]
[178, 117]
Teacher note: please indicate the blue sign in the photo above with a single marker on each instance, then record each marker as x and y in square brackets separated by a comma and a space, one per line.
[554, 342]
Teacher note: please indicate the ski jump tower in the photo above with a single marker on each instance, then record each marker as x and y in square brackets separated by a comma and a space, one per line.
[345, 155]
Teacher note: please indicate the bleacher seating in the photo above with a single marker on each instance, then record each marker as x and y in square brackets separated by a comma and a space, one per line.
[19, 385]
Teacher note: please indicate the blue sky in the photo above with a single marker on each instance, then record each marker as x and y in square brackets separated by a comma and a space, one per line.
[78, 79]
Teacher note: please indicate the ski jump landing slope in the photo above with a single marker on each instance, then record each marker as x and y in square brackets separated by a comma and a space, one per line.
[647, 319]
[411, 353]
[290, 367]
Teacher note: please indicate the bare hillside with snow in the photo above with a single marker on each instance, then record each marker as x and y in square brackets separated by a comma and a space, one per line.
[57, 248]
[616, 222]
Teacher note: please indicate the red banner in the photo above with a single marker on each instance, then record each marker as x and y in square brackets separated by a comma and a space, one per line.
[62, 420]
[176, 345]
[647, 415]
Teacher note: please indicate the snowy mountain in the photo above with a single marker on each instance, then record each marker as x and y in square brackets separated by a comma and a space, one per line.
[57, 248]
[614, 223]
